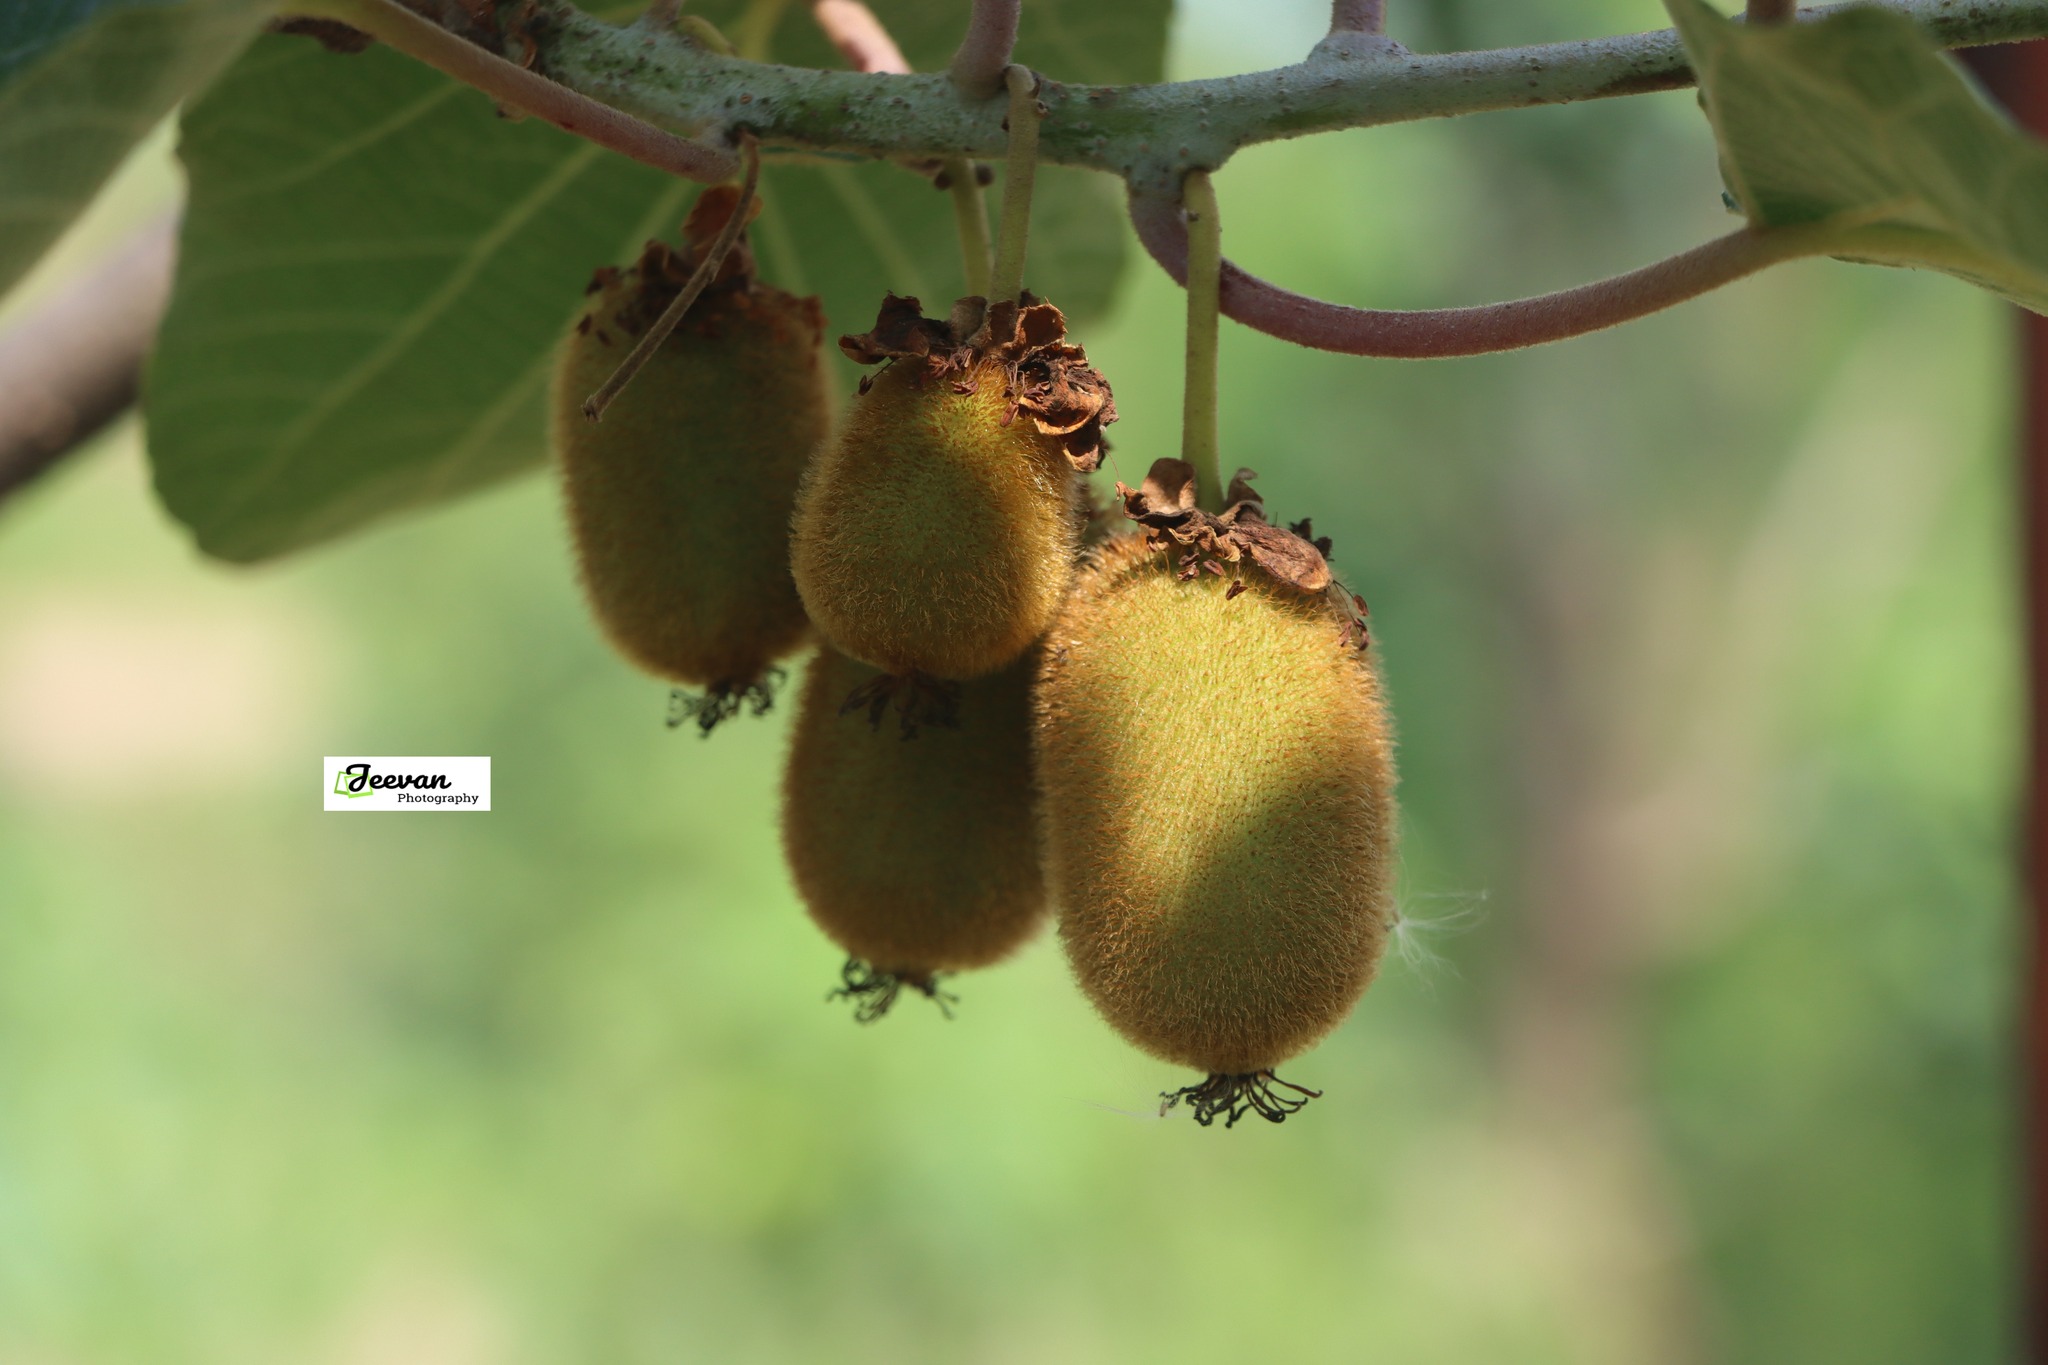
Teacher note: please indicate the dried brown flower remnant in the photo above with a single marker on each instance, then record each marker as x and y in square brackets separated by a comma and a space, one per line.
[1045, 377]
[662, 270]
[1165, 506]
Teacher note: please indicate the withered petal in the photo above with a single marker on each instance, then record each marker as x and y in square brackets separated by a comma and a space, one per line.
[1169, 487]
[1284, 555]
[1042, 325]
[901, 330]
[1044, 376]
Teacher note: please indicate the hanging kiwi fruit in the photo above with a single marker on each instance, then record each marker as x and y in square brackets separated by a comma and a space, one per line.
[1217, 770]
[679, 499]
[1216, 766]
[917, 857]
[935, 535]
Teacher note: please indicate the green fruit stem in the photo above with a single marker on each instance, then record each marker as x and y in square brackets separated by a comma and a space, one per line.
[1200, 442]
[970, 213]
[1018, 174]
[754, 31]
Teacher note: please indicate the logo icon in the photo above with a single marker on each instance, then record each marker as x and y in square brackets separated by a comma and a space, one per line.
[407, 784]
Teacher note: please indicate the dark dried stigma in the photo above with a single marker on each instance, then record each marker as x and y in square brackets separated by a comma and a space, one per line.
[722, 701]
[919, 700]
[1231, 1097]
[873, 991]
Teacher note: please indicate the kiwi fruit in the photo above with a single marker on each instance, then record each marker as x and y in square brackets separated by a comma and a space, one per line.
[919, 855]
[935, 536]
[680, 499]
[1217, 776]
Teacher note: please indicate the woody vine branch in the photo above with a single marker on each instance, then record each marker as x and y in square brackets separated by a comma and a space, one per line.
[1149, 135]
[667, 96]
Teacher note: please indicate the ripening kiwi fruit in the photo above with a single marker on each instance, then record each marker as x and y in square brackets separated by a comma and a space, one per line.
[1217, 775]
[917, 856]
[936, 533]
[680, 498]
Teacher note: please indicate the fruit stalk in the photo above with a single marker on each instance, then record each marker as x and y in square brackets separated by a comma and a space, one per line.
[1019, 172]
[970, 214]
[1200, 442]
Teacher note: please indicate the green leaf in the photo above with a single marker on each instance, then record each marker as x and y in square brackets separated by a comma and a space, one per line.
[375, 267]
[81, 81]
[1858, 122]
[374, 270]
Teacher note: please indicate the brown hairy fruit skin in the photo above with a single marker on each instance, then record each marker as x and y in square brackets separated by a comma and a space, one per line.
[1217, 776]
[680, 499]
[917, 856]
[937, 533]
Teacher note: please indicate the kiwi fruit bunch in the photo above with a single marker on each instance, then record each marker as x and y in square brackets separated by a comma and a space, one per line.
[1174, 734]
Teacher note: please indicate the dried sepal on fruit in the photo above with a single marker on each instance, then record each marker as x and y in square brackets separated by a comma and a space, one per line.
[936, 534]
[1216, 764]
[680, 499]
[1204, 542]
[916, 855]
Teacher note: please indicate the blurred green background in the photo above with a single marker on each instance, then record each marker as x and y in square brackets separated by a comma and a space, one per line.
[1701, 635]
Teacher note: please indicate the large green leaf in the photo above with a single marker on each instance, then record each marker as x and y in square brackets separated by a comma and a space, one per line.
[373, 271]
[1856, 121]
[80, 82]
[375, 267]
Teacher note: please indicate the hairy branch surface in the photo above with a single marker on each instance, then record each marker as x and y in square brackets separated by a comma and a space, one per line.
[1150, 135]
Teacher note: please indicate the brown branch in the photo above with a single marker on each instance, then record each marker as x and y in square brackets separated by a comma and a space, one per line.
[1770, 11]
[1443, 332]
[984, 54]
[1358, 16]
[519, 88]
[73, 363]
[853, 28]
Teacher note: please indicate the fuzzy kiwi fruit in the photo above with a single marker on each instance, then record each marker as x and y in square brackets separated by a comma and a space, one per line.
[936, 534]
[680, 499]
[917, 856]
[1217, 773]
